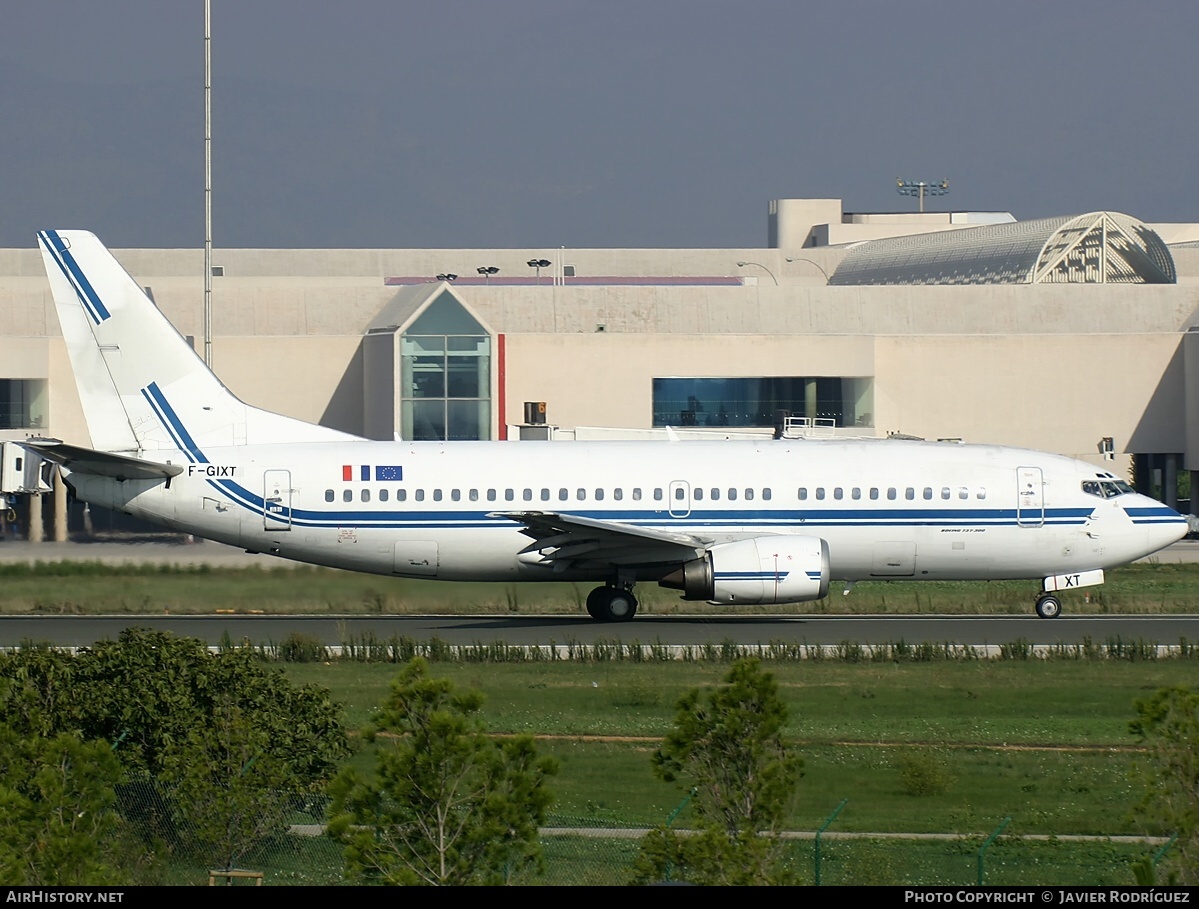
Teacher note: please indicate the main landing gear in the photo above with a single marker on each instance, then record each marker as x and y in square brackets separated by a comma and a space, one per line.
[1048, 606]
[612, 604]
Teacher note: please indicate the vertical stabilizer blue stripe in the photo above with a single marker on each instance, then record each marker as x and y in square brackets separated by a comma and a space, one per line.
[74, 274]
[171, 422]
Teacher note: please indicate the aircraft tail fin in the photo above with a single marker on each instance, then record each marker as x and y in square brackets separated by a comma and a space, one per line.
[142, 386]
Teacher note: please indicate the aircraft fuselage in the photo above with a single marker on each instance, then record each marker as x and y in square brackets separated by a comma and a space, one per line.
[888, 509]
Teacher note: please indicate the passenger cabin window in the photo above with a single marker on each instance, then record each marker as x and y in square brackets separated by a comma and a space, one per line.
[766, 494]
[618, 493]
[820, 493]
[803, 493]
[419, 495]
[636, 494]
[855, 493]
[599, 495]
[366, 495]
[401, 495]
[749, 494]
[383, 495]
[456, 495]
[873, 493]
[891, 493]
[347, 495]
[838, 492]
[698, 493]
[715, 496]
[928, 492]
[328, 495]
[658, 494]
[436, 495]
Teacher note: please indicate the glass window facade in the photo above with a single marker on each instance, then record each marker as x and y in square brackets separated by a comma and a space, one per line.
[23, 404]
[445, 376]
[848, 401]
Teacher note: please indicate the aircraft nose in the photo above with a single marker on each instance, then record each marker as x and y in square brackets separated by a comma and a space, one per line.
[1162, 524]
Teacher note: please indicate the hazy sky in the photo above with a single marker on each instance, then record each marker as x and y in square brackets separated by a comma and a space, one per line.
[610, 123]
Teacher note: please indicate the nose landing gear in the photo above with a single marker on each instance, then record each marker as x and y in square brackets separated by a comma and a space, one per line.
[1048, 606]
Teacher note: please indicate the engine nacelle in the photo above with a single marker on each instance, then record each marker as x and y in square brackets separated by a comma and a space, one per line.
[784, 568]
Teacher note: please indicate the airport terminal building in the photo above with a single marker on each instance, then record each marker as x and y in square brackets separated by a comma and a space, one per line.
[1072, 335]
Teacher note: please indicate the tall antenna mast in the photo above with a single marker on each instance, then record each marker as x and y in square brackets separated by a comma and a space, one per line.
[920, 189]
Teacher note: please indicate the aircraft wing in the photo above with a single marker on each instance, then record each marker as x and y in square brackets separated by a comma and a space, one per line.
[572, 541]
[100, 463]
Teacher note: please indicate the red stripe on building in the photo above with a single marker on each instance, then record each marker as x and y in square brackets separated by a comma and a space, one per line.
[501, 391]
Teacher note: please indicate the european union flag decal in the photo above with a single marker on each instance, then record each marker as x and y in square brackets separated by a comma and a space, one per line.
[392, 474]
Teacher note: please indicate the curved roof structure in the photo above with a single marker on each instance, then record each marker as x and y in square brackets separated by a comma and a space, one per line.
[1096, 248]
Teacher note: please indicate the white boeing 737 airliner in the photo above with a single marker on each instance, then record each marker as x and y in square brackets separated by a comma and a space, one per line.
[723, 522]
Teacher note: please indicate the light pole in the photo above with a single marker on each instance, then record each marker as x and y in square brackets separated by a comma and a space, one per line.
[763, 267]
[538, 264]
[920, 189]
[207, 185]
[810, 262]
[448, 276]
[487, 271]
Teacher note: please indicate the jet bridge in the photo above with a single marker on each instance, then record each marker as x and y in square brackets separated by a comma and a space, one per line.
[22, 473]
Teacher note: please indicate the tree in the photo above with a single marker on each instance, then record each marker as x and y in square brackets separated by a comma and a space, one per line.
[729, 751]
[1168, 723]
[146, 692]
[226, 743]
[57, 815]
[230, 790]
[446, 804]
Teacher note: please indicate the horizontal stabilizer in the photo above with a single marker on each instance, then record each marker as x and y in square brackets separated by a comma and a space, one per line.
[100, 463]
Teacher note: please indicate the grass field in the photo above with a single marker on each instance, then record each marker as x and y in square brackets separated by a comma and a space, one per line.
[1045, 742]
[80, 588]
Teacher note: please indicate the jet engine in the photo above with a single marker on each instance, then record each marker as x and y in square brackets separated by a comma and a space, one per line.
[762, 570]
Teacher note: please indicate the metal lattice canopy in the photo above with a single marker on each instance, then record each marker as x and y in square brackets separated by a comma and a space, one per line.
[1095, 248]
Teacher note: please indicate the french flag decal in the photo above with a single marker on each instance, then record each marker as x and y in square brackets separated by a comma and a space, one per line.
[386, 473]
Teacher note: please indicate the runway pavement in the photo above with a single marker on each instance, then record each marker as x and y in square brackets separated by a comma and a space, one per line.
[526, 630]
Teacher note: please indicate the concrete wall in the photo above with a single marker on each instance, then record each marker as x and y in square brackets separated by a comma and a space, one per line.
[1054, 367]
[1031, 391]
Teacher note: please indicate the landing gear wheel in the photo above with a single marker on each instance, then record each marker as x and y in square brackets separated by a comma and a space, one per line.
[611, 604]
[593, 601]
[1049, 606]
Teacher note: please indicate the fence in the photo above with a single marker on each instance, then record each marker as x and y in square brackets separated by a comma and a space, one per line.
[292, 849]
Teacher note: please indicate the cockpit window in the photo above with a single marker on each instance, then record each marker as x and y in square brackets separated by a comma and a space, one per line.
[1106, 489]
